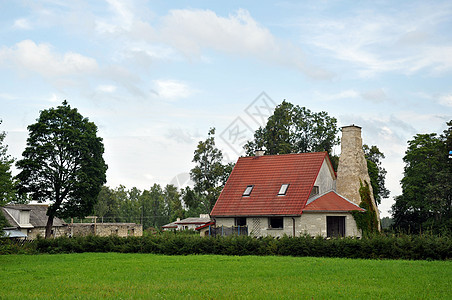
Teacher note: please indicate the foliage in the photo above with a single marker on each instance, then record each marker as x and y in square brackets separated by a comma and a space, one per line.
[63, 163]
[372, 246]
[152, 208]
[295, 129]
[209, 174]
[426, 200]
[366, 221]
[386, 223]
[7, 185]
[377, 173]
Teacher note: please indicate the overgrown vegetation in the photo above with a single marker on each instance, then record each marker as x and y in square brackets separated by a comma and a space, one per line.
[378, 246]
[366, 221]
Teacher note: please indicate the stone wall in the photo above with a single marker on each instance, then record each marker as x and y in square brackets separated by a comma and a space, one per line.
[313, 224]
[325, 179]
[105, 229]
[33, 233]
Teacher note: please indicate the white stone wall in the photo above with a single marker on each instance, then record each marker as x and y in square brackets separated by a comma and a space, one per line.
[325, 179]
[315, 224]
[309, 223]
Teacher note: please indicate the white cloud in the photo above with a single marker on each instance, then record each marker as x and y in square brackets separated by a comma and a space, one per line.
[40, 58]
[172, 89]
[446, 100]
[22, 24]
[376, 95]
[407, 40]
[106, 88]
[190, 31]
[347, 94]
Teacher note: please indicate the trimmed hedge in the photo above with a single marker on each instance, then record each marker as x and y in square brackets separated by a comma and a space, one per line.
[379, 246]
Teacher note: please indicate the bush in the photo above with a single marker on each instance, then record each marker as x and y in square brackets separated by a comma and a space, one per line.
[376, 246]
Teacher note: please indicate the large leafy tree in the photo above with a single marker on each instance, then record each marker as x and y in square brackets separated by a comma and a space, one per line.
[426, 200]
[295, 129]
[7, 188]
[62, 163]
[209, 174]
[376, 171]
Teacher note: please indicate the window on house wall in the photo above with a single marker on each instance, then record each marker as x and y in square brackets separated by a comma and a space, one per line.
[314, 191]
[275, 222]
[248, 190]
[240, 221]
[283, 189]
[335, 226]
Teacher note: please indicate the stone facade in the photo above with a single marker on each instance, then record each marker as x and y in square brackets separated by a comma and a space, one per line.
[314, 224]
[325, 180]
[105, 229]
[353, 167]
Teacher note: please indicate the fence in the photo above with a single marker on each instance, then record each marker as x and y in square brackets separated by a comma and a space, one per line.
[228, 230]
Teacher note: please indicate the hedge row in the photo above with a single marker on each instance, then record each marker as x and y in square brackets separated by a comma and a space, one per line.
[375, 247]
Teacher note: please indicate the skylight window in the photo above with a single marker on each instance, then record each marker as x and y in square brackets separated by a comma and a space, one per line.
[248, 190]
[283, 189]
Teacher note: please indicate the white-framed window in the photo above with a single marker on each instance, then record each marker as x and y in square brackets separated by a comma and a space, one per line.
[283, 189]
[248, 190]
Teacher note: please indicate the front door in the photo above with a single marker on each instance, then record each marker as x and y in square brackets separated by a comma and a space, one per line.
[335, 226]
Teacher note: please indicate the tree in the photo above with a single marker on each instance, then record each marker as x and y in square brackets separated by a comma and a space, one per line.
[7, 186]
[295, 129]
[209, 174]
[173, 204]
[62, 163]
[426, 200]
[377, 173]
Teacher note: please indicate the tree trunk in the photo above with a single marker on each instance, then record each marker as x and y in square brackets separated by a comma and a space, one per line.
[49, 226]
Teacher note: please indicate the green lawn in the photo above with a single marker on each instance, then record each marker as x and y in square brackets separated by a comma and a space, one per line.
[115, 276]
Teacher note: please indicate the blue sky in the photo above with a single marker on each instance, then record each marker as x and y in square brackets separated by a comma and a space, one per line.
[156, 75]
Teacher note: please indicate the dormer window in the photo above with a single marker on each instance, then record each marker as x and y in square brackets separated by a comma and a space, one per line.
[248, 190]
[283, 189]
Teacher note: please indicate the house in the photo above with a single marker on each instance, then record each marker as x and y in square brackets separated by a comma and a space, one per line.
[188, 223]
[29, 221]
[292, 194]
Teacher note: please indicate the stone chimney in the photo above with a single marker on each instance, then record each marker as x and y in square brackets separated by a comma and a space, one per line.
[259, 152]
[353, 167]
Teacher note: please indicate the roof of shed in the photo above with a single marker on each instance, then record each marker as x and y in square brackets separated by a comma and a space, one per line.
[330, 202]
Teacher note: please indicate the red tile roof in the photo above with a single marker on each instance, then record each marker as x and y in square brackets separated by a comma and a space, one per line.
[331, 202]
[267, 173]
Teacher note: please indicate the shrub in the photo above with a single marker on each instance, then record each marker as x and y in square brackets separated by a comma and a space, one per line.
[373, 246]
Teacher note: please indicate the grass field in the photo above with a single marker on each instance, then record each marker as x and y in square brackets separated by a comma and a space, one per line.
[116, 276]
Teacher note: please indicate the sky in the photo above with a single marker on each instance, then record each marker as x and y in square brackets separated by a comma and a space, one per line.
[155, 76]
